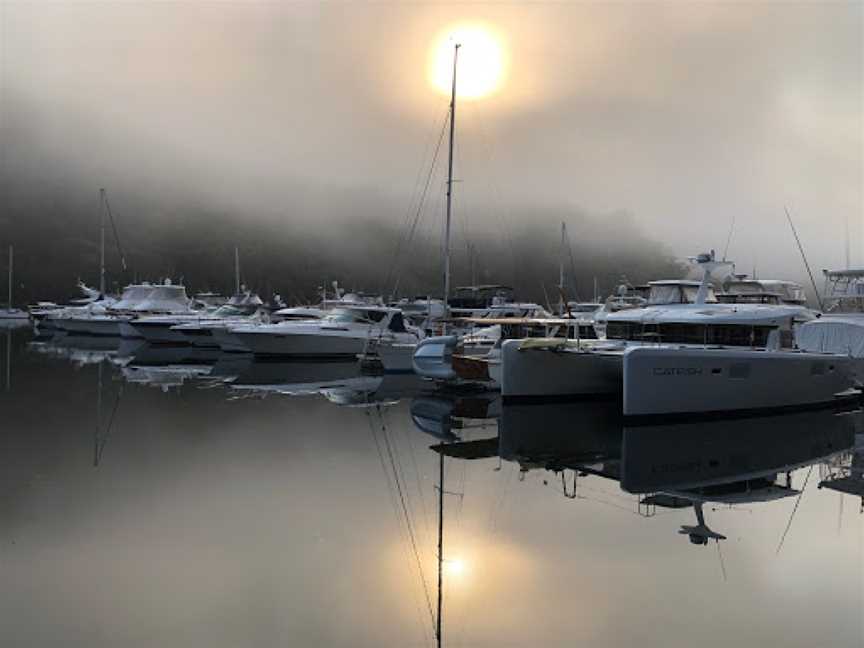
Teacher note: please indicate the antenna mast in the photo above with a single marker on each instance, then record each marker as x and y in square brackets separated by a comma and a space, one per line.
[450, 182]
[102, 242]
[561, 303]
[236, 270]
[10, 277]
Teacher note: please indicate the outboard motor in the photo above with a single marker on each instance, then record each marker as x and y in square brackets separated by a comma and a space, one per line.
[433, 357]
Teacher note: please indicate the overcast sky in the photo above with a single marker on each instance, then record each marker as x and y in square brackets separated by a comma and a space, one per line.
[683, 114]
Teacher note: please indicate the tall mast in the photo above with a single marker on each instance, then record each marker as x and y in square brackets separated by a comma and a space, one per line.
[102, 242]
[847, 242]
[440, 546]
[236, 271]
[561, 304]
[450, 182]
[10, 277]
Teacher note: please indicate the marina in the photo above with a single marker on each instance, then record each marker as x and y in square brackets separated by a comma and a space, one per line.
[431, 325]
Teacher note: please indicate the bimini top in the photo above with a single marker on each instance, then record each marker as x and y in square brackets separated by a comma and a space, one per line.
[149, 297]
[714, 314]
[677, 291]
[786, 291]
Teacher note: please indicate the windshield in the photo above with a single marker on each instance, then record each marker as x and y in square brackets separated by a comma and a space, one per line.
[355, 316]
[677, 294]
[229, 311]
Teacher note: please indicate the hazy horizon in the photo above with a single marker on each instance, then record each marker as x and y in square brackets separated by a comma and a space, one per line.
[302, 118]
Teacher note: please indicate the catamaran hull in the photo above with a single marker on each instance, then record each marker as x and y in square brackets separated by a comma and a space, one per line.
[301, 345]
[663, 382]
[550, 375]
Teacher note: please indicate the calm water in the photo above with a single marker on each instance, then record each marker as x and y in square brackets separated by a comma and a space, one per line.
[181, 498]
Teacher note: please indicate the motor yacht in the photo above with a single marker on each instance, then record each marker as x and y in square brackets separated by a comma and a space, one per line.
[344, 332]
[743, 290]
[192, 325]
[112, 318]
[684, 359]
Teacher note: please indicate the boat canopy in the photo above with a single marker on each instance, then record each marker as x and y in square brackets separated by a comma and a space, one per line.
[677, 291]
[714, 314]
[787, 291]
[838, 334]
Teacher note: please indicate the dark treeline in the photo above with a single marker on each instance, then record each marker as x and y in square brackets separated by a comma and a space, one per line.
[56, 242]
[292, 239]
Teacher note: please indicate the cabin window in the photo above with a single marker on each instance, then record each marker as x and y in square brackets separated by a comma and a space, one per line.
[397, 324]
[681, 333]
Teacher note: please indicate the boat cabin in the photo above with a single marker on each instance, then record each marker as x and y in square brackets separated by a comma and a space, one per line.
[383, 317]
[762, 291]
[844, 291]
[718, 325]
[478, 297]
[677, 291]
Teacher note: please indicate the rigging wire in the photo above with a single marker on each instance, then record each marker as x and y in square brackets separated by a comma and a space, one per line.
[406, 239]
[722, 563]
[102, 441]
[794, 509]
[396, 511]
[729, 237]
[114, 230]
[804, 257]
[409, 525]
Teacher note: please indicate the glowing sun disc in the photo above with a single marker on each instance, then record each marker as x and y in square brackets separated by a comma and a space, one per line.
[481, 63]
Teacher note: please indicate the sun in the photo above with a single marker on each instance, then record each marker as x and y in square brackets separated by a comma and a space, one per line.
[481, 64]
[455, 567]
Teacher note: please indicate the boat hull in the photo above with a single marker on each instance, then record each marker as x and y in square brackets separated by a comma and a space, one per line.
[105, 326]
[159, 332]
[550, 375]
[664, 382]
[301, 345]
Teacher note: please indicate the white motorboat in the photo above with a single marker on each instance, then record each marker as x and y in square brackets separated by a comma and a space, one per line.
[343, 333]
[684, 359]
[476, 356]
[112, 318]
[840, 329]
[189, 327]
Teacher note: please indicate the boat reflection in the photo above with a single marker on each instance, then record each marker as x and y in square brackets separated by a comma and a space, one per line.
[673, 466]
[728, 462]
[844, 473]
[84, 350]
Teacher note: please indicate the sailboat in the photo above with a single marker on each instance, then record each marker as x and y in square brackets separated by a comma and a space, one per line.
[11, 314]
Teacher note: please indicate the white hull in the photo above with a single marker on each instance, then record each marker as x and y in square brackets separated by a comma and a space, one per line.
[545, 374]
[13, 314]
[108, 326]
[676, 381]
[396, 356]
[159, 332]
[228, 342]
[301, 345]
[127, 331]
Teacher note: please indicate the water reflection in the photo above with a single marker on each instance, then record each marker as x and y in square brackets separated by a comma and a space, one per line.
[298, 503]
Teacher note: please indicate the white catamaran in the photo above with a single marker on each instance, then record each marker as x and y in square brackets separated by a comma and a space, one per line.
[683, 359]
